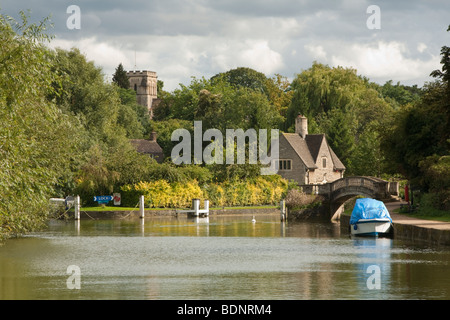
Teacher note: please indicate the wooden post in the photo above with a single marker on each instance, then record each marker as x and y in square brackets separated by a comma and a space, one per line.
[77, 203]
[283, 210]
[206, 202]
[196, 206]
[141, 207]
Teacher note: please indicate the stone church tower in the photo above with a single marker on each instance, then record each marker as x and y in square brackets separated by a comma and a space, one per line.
[144, 83]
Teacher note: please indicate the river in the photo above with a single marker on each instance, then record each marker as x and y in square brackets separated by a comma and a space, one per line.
[222, 257]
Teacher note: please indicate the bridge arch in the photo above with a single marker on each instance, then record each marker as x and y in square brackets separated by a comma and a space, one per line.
[341, 190]
[344, 189]
[337, 204]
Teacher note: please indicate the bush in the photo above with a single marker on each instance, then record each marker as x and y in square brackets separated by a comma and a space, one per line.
[297, 200]
[162, 194]
[437, 181]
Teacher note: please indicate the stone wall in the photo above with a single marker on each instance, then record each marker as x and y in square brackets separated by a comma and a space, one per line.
[324, 174]
[298, 169]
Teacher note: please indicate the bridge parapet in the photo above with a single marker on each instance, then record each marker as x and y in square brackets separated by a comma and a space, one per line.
[369, 186]
[322, 189]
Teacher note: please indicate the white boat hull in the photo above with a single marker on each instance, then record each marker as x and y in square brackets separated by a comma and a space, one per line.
[371, 227]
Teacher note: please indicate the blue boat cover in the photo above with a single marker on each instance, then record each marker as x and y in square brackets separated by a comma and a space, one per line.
[367, 208]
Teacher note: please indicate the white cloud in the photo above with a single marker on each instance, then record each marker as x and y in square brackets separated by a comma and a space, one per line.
[421, 47]
[103, 54]
[260, 56]
[317, 52]
[384, 60]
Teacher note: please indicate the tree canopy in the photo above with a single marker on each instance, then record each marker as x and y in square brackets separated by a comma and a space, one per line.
[120, 77]
[37, 139]
[65, 130]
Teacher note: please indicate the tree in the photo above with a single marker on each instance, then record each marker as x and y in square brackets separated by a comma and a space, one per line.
[37, 140]
[445, 61]
[120, 77]
[133, 116]
[165, 128]
[276, 90]
[340, 135]
[344, 106]
[98, 104]
[279, 94]
[421, 131]
[400, 94]
[244, 77]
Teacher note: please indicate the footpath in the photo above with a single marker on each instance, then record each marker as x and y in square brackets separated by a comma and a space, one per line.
[418, 230]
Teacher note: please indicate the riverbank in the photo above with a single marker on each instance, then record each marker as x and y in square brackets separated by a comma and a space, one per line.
[91, 213]
[405, 227]
[418, 230]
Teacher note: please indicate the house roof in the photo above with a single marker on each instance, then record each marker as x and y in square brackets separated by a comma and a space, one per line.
[308, 149]
[337, 163]
[146, 146]
[314, 141]
[301, 148]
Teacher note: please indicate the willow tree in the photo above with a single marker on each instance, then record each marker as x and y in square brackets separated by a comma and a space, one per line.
[347, 108]
[36, 139]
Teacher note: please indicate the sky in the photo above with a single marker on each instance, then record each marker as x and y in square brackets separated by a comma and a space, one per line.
[201, 38]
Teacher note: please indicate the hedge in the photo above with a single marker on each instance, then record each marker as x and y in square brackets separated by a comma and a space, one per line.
[161, 194]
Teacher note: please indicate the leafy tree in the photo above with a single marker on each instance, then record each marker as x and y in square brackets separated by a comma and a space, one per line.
[400, 94]
[165, 129]
[421, 132]
[133, 116]
[85, 94]
[120, 77]
[37, 140]
[344, 106]
[436, 179]
[340, 135]
[279, 94]
[444, 74]
[244, 77]
[277, 89]
[367, 159]
[221, 105]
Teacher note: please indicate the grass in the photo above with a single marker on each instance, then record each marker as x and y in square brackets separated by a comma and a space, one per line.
[427, 213]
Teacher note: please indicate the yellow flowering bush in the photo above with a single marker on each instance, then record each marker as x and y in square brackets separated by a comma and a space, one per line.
[263, 190]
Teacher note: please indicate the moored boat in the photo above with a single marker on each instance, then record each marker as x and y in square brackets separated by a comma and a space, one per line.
[370, 217]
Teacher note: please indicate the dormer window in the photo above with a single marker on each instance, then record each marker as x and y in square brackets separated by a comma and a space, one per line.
[324, 162]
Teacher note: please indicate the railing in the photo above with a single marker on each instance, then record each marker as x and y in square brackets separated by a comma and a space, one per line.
[366, 182]
[375, 185]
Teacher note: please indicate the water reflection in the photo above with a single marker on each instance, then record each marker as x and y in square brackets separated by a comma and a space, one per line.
[219, 257]
[374, 265]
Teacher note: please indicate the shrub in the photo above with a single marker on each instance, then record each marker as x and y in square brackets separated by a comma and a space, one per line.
[296, 200]
[162, 194]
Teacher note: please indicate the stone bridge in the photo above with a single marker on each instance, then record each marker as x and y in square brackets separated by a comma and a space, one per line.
[339, 191]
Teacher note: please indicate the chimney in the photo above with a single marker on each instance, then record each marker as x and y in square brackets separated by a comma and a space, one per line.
[301, 126]
[153, 136]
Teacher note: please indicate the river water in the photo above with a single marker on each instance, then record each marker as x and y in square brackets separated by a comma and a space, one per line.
[222, 257]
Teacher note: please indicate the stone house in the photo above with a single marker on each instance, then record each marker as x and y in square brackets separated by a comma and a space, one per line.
[149, 147]
[307, 158]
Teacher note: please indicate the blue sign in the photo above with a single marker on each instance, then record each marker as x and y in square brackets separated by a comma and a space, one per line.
[103, 199]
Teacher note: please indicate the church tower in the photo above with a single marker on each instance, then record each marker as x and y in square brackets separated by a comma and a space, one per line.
[144, 83]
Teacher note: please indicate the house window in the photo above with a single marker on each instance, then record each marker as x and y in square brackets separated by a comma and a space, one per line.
[135, 87]
[324, 162]
[284, 165]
